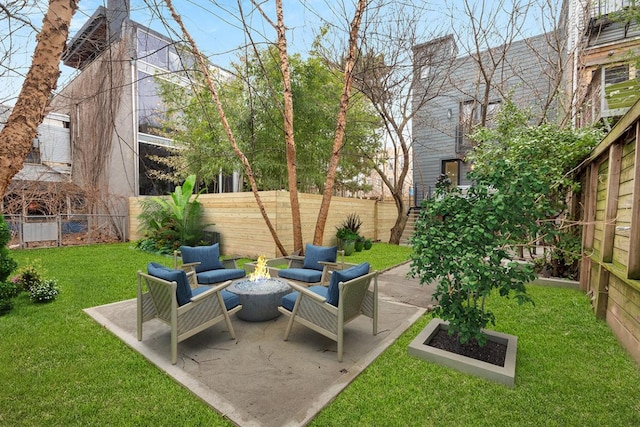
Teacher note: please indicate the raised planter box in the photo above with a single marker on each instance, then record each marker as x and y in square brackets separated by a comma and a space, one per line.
[500, 374]
[556, 282]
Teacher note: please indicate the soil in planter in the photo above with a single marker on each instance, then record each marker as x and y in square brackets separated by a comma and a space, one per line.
[492, 352]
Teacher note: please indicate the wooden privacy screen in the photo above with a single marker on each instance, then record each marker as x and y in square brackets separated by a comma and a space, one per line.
[610, 270]
[235, 216]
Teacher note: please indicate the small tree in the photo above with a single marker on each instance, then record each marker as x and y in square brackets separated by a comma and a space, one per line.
[465, 239]
[462, 240]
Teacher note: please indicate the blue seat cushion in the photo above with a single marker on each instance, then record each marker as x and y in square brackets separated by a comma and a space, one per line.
[207, 256]
[313, 254]
[289, 300]
[231, 300]
[333, 292]
[301, 274]
[216, 276]
[183, 290]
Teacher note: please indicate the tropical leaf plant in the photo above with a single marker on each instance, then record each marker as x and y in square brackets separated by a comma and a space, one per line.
[167, 223]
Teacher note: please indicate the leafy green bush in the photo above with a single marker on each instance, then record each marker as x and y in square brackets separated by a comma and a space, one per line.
[28, 276]
[564, 259]
[8, 291]
[44, 291]
[166, 224]
[543, 160]
[7, 264]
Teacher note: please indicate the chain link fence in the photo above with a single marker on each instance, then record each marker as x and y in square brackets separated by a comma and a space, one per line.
[64, 230]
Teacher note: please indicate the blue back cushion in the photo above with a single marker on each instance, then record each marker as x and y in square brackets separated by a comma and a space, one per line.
[313, 254]
[344, 276]
[183, 290]
[207, 256]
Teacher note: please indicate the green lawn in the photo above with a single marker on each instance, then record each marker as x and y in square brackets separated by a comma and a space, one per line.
[59, 367]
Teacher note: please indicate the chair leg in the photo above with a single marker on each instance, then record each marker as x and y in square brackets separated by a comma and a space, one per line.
[291, 317]
[227, 319]
[340, 343]
[174, 330]
[174, 346]
[139, 308]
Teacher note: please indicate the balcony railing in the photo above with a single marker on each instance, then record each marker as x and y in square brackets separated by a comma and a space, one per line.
[463, 143]
[614, 101]
[601, 8]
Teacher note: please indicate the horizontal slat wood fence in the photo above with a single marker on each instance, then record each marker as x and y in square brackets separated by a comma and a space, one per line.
[610, 270]
[243, 230]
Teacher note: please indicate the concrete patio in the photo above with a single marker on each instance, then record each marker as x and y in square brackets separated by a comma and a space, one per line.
[260, 379]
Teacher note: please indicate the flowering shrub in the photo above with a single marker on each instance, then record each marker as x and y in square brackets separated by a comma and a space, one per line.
[30, 279]
[28, 276]
[44, 291]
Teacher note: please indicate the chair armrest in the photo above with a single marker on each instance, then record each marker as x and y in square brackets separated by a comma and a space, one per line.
[329, 263]
[190, 269]
[211, 291]
[189, 266]
[295, 261]
[176, 254]
[306, 292]
[230, 262]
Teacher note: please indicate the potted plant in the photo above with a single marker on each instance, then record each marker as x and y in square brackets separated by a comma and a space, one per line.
[359, 245]
[349, 244]
[341, 234]
[461, 241]
[347, 233]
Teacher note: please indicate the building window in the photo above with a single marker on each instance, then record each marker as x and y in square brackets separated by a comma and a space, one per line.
[451, 168]
[34, 155]
[617, 74]
[471, 113]
[151, 110]
[425, 72]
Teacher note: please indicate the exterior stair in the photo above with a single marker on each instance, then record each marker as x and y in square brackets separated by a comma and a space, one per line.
[413, 214]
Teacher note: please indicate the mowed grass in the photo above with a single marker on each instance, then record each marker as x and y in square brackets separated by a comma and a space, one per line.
[59, 367]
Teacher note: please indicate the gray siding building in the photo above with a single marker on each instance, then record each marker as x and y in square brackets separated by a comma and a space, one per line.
[467, 91]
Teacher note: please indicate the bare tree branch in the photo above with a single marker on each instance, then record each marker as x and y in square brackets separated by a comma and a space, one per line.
[204, 68]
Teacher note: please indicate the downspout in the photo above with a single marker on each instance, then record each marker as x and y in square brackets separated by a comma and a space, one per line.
[134, 124]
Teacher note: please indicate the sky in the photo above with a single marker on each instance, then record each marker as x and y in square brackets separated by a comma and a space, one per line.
[218, 32]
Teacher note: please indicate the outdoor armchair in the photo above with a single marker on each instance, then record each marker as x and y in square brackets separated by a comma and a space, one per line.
[204, 267]
[327, 310]
[170, 298]
[315, 266]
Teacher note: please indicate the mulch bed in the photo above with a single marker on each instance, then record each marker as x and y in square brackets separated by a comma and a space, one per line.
[492, 352]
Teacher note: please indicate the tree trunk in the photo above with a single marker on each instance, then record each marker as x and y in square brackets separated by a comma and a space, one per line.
[401, 221]
[340, 122]
[225, 123]
[288, 130]
[16, 138]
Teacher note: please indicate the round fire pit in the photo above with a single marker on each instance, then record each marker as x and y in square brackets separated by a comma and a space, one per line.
[260, 299]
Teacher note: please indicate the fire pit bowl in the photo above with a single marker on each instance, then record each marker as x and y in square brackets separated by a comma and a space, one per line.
[260, 298]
